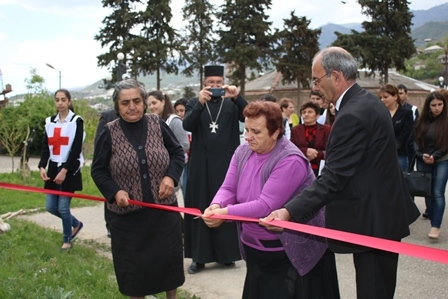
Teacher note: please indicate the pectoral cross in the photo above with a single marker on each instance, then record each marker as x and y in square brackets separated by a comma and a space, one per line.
[214, 126]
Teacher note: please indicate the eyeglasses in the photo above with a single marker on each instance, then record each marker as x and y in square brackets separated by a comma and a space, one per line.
[317, 81]
[214, 83]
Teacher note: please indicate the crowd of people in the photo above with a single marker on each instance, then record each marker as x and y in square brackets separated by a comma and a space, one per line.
[338, 164]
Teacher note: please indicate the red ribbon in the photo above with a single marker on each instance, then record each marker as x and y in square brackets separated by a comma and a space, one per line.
[423, 252]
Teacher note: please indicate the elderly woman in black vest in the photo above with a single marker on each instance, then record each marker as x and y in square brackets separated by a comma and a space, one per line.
[137, 157]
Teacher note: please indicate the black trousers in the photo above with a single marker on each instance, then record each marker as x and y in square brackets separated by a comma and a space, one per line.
[376, 274]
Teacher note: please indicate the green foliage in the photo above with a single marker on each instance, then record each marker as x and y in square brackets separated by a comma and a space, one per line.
[188, 92]
[91, 118]
[430, 71]
[34, 267]
[432, 30]
[13, 130]
[151, 44]
[11, 200]
[296, 47]
[32, 264]
[35, 84]
[157, 47]
[245, 41]
[198, 34]
[386, 41]
[116, 31]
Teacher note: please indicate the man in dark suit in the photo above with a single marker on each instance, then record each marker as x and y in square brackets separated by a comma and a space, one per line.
[106, 116]
[361, 184]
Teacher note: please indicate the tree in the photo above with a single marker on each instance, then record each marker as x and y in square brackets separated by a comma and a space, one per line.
[188, 92]
[386, 41]
[158, 47]
[116, 32]
[13, 131]
[246, 39]
[198, 35]
[35, 84]
[296, 47]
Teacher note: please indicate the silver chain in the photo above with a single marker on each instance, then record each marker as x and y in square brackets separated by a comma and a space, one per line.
[214, 126]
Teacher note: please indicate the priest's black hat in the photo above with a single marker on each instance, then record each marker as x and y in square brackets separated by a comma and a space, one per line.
[213, 71]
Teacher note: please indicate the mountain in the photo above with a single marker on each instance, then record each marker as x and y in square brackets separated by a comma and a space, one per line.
[431, 23]
[437, 13]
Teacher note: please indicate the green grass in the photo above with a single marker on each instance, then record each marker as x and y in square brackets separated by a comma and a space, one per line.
[33, 266]
[12, 200]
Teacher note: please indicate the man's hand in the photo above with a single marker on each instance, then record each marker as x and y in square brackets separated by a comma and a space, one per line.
[281, 214]
[205, 95]
[231, 91]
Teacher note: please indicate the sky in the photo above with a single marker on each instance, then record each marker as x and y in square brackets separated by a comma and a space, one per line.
[61, 33]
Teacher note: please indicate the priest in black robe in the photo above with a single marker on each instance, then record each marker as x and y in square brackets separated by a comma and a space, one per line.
[213, 120]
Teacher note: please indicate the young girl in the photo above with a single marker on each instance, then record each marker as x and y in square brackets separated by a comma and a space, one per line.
[62, 151]
[432, 151]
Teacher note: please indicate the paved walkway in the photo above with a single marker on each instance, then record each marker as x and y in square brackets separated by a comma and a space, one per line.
[416, 278]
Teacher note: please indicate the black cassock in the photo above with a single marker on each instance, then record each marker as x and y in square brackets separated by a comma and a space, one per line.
[210, 155]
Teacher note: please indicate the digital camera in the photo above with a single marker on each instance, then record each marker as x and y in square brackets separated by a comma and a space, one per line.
[217, 92]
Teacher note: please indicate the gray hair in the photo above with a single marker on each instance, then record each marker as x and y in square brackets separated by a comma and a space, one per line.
[128, 84]
[338, 59]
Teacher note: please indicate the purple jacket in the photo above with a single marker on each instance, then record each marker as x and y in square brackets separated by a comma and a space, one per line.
[280, 166]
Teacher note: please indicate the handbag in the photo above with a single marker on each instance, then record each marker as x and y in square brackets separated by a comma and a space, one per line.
[419, 182]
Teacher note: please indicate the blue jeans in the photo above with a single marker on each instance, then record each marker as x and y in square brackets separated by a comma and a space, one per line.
[403, 161]
[60, 207]
[436, 203]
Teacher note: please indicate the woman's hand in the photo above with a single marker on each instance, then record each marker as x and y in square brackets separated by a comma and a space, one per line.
[311, 153]
[428, 159]
[122, 198]
[214, 209]
[166, 188]
[43, 174]
[60, 178]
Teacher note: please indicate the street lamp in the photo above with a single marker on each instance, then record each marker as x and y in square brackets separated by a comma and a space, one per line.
[121, 67]
[106, 83]
[444, 61]
[50, 66]
[441, 83]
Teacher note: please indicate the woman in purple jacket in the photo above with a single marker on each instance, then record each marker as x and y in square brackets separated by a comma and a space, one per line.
[265, 172]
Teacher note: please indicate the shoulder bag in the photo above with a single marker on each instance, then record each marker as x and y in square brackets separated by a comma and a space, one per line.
[419, 183]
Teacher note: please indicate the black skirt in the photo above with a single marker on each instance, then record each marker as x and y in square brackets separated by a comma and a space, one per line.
[147, 251]
[271, 275]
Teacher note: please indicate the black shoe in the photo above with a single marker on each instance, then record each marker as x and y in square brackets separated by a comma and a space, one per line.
[425, 215]
[195, 267]
[229, 265]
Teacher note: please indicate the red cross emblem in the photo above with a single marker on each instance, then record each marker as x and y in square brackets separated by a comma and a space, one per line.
[57, 141]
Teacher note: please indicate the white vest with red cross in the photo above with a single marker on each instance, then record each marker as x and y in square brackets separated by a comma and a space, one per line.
[60, 138]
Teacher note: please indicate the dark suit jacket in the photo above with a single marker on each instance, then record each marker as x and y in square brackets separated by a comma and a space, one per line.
[106, 116]
[403, 124]
[299, 139]
[361, 184]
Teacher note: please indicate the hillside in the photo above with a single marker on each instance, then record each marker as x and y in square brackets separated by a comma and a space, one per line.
[431, 23]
